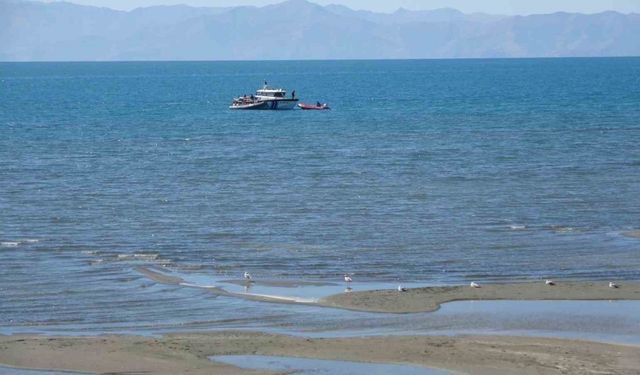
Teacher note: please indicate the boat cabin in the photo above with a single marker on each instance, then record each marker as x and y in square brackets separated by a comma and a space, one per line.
[271, 93]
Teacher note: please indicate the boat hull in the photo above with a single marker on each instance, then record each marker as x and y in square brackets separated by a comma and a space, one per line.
[248, 106]
[281, 104]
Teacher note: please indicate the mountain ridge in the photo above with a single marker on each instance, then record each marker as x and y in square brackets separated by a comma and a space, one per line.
[299, 29]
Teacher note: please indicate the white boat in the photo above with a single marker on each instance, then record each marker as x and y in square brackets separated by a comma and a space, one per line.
[266, 98]
[247, 103]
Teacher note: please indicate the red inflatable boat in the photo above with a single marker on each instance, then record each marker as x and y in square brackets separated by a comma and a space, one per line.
[317, 106]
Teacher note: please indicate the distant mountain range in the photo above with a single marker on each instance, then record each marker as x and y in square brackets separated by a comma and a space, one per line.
[297, 29]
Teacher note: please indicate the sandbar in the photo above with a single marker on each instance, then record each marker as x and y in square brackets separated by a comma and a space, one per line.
[430, 298]
[632, 233]
[160, 277]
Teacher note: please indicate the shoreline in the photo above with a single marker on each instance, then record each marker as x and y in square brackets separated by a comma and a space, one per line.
[429, 299]
[188, 353]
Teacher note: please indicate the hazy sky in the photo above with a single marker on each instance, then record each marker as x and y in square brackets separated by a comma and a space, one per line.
[467, 6]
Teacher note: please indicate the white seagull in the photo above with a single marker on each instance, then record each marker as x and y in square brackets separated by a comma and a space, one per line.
[401, 288]
[549, 282]
[247, 276]
[347, 278]
[474, 285]
[612, 285]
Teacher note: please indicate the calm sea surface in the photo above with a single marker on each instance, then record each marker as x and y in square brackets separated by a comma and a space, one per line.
[425, 171]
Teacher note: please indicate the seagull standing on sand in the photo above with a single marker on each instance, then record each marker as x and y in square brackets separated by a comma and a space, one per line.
[549, 282]
[474, 285]
[612, 285]
[247, 276]
[347, 278]
[401, 288]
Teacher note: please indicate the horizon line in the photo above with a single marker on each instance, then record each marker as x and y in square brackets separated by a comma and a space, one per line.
[316, 60]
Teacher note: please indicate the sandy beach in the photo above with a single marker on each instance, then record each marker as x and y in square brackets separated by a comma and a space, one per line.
[188, 353]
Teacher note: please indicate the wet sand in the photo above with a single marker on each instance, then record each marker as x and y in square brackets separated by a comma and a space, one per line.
[188, 353]
[430, 298]
[632, 233]
[159, 277]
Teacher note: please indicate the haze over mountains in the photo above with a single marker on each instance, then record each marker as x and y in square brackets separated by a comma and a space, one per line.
[297, 29]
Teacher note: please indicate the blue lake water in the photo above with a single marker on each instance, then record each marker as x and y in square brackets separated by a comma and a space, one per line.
[423, 171]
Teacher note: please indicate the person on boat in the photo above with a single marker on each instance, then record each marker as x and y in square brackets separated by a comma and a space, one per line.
[293, 94]
[318, 104]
